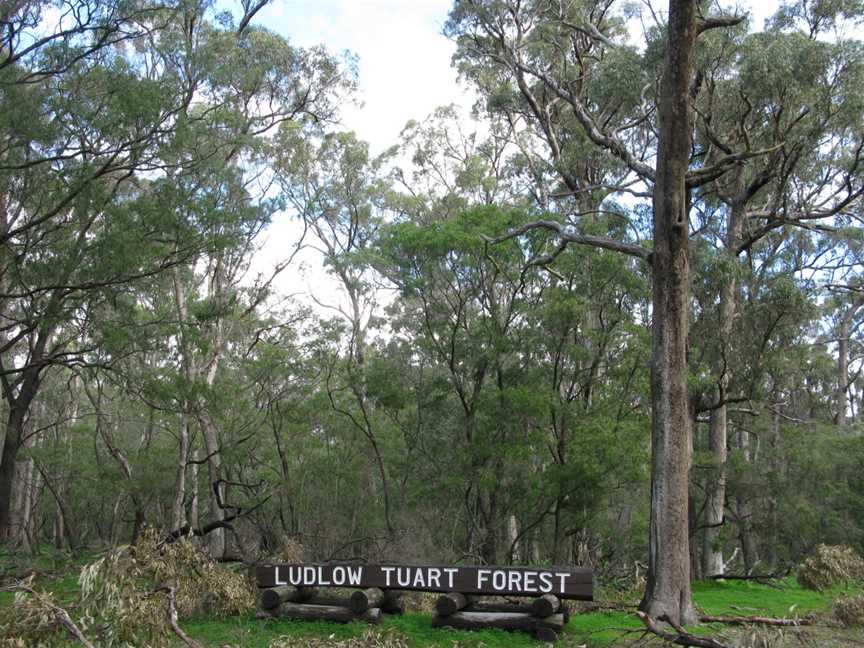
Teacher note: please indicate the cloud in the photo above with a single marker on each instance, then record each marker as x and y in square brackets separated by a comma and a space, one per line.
[404, 59]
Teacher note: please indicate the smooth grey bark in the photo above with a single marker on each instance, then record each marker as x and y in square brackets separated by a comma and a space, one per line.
[845, 330]
[718, 427]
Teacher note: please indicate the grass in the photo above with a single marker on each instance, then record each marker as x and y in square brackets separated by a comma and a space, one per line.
[415, 627]
[593, 629]
[596, 629]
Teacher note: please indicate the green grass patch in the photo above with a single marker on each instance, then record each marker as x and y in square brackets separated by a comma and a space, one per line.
[599, 629]
[606, 628]
[781, 598]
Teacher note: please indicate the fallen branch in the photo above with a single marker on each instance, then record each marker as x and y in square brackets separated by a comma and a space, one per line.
[749, 577]
[683, 638]
[60, 614]
[172, 617]
[758, 620]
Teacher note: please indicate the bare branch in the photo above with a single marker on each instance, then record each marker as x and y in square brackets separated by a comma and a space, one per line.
[683, 638]
[173, 617]
[572, 237]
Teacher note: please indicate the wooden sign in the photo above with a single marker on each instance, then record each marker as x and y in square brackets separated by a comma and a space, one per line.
[568, 583]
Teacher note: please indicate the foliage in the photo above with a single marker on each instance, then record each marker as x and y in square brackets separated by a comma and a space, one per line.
[830, 565]
[117, 597]
[850, 610]
[29, 619]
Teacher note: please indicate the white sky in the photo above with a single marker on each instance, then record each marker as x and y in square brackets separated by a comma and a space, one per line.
[404, 73]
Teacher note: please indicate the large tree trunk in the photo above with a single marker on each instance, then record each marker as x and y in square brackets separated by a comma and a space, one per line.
[668, 587]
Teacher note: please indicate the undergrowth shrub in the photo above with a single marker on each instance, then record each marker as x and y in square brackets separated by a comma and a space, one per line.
[849, 610]
[30, 620]
[116, 591]
[830, 565]
[117, 604]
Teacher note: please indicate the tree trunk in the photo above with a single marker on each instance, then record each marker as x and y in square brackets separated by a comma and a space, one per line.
[216, 539]
[749, 551]
[668, 587]
[712, 552]
[11, 445]
[843, 367]
[178, 508]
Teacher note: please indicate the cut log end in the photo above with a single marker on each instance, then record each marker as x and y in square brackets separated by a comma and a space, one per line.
[546, 605]
[450, 603]
[362, 600]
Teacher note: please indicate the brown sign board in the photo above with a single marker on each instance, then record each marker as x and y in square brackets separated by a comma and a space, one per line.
[564, 582]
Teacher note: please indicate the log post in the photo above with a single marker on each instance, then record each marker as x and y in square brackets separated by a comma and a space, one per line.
[551, 626]
[545, 606]
[393, 603]
[451, 603]
[362, 600]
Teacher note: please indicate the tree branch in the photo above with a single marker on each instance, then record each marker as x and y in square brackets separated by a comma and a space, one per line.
[571, 237]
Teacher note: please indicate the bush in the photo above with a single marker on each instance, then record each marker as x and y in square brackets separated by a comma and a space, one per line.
[829, 566]
[117, 598]
[30, 620]
[850, 610]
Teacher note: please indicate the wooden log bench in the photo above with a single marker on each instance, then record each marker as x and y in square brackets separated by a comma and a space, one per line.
[294, 591]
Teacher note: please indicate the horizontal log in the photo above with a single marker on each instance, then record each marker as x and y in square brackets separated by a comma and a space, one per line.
[513, 621]
[362, 600]
[480, 620]
[275, 596]
[308, 612]
[545, 606]
[490, 606]
[328, 599]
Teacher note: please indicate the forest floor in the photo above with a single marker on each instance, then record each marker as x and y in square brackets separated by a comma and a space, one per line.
[586, 629]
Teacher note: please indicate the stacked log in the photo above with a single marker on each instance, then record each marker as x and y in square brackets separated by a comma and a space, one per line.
[305, 603]
[312, 612]
[544, 617]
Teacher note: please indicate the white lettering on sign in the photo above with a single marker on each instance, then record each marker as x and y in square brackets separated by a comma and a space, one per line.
[354, 575]
[482, 577]
[338, 575]
[499, 580]
[563, 576]
[435, 577]
[450, 571]
[469, 579]
[407, 573]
